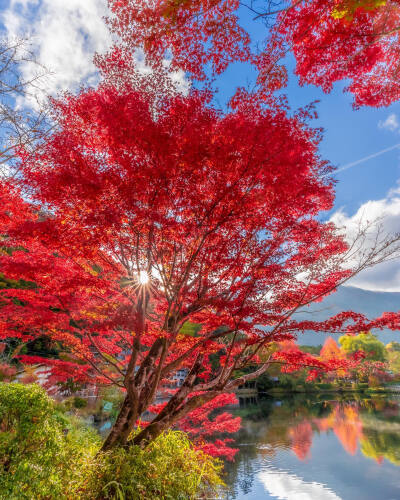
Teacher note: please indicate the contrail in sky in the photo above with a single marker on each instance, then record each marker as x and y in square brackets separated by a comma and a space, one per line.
[354, 163]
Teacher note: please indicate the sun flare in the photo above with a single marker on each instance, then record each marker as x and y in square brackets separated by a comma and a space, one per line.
[143, 277]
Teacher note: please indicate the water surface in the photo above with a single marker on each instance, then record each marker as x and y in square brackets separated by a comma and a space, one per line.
[317, 448]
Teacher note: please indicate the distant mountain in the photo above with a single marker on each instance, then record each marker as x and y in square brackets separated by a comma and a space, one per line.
[348, 298]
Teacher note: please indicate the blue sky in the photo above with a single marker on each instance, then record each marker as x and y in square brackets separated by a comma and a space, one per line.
[65, 34]
[354, 141]
[349, 135]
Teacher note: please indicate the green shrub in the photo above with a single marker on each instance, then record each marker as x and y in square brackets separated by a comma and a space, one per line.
[287, 382]
[79, 402]
[310, 387]
[46, 455]
[40, 456]
[170, 468]
[324, 386]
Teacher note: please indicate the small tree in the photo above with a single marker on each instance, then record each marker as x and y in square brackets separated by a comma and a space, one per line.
[38, 459]
[393, 346]
[369, 355]
[393, 354]
[22, 124]
[330, 349]
[366, 342]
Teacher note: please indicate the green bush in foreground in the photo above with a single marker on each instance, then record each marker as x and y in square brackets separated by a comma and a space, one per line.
[169, 468]
[39, 451]
[46, 455]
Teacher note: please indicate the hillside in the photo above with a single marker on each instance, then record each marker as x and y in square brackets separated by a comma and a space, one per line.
[351, 298]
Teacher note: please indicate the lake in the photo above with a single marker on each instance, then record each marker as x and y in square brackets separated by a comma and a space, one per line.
[317, 448]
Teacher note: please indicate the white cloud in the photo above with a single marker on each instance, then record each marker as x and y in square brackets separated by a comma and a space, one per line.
[284, 486]
[391, 123]
[65, 35]
[386, 276]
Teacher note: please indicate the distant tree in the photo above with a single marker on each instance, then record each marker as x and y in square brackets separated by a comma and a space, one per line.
[21, 125]
[367, 342]
[331, 350]
[393, 354]
[393, 346]
[311, 349]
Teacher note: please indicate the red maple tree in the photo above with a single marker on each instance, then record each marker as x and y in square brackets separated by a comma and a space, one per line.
[331, 40]
[145, 211]
[348, 39]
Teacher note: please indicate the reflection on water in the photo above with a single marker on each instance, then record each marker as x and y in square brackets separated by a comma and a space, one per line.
[281, 484]
[307, 448]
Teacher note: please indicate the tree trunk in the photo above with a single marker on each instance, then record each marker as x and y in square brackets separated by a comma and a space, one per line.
[122, 428]
[177, 407]
[151, 432]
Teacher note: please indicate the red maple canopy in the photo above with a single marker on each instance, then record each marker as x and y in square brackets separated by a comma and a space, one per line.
[331, 40]
[351, 39]
[144, 212]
